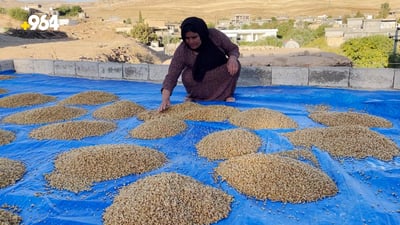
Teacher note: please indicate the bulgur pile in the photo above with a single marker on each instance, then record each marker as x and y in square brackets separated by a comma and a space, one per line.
[118, 110]
[89, 98]
[228, 143]
[168, 198]
[9, 218]
[277, 178]
[10, 171]
[45, 115]
[176, 111]
[346, 141]
[159, 128]
[215, 113]
[72, 130]
[262, 118]
[25, 99]
[77, 169]
[349, 118]
[6, 137]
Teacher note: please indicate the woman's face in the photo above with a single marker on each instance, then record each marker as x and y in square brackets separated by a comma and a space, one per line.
[192, 39]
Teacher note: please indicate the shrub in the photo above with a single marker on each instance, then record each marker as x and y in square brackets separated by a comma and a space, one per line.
[18, 14]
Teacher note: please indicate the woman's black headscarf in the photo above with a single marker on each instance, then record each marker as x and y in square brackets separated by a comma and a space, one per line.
[209, 56]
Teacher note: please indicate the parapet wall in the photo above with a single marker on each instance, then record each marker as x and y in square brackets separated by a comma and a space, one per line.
[338, 77]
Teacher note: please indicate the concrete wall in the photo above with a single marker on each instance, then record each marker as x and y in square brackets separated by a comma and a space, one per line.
[338, 77]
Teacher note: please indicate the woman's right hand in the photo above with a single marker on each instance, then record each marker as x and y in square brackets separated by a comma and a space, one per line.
[165, 101]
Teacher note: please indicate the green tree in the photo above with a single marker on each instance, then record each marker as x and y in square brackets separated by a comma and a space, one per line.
[369, 52]
[142, 32]
[384, 11]
[18, 14]
[65, 10]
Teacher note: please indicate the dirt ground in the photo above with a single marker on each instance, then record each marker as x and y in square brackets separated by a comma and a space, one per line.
[95, 39]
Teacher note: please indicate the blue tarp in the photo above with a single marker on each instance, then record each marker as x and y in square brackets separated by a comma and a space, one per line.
[368, 188]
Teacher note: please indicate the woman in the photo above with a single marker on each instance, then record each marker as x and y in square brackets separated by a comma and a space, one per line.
[208, 62]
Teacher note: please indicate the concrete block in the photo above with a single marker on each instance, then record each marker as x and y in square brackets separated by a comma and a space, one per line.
[329, 76]
[6, 65]
[110, 70]
[87, 69]
[290, 76]
[43, 66]
[135, 71]
[23, 65]
[255, 76]
[64, 68]
[157, 72]
[369, 78]
[396, 83]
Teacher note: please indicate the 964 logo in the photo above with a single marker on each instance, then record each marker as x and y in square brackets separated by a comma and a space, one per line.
[41, 23]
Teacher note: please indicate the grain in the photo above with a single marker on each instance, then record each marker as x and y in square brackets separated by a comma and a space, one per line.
[25, 99]
[77, 169]
[10, 171]
[6, 77]
[72, 130]
[118, 110]
[9, 218]
[6, 137]
[89, 98]
[159, 128]
[168, 198]
[45, 115]
[176, 111]
[262, 118]
[300, 154]
[215, 113]
[2, 91]
[276, 178]
[228, 143]
[349, 118]
[346, 141]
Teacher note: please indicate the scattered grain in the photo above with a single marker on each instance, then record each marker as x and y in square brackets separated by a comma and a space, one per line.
[72, 130]
[25, 99]
[176, 111]
[2, 91]
[6, 77]
[346, 141]
[45, 115]
[118, 110]
[168, 198]
[349, 118]
[10, 171]
[90, 98]
[300, 154]
[276, 178]
[228, 143]
[6, 137]
[159, 128]
[216, 113]
[262, 118]
[77, 169]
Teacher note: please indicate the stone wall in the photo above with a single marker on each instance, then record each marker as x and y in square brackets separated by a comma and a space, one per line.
[338, 77]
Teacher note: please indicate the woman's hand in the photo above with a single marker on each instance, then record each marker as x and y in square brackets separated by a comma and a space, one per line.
[233, 65]
[165, 102]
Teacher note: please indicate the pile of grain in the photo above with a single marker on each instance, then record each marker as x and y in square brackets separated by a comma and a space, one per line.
[77, 169]
[72, 130]
[300, 154]
[215, 113]
[168, 198]
[45, 115]
[176, 111]
[89, 98]
[276, 178]
[348, 118]
[228, 143]
[2, 91]
[262, 118]
[6, 77]
[9, 218]
[159, 128]
[10, 171]
[118, 110]
[25, 99]
[346, 141]
[6, 137]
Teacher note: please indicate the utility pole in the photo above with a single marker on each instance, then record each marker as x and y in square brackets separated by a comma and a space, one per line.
[396, 39]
